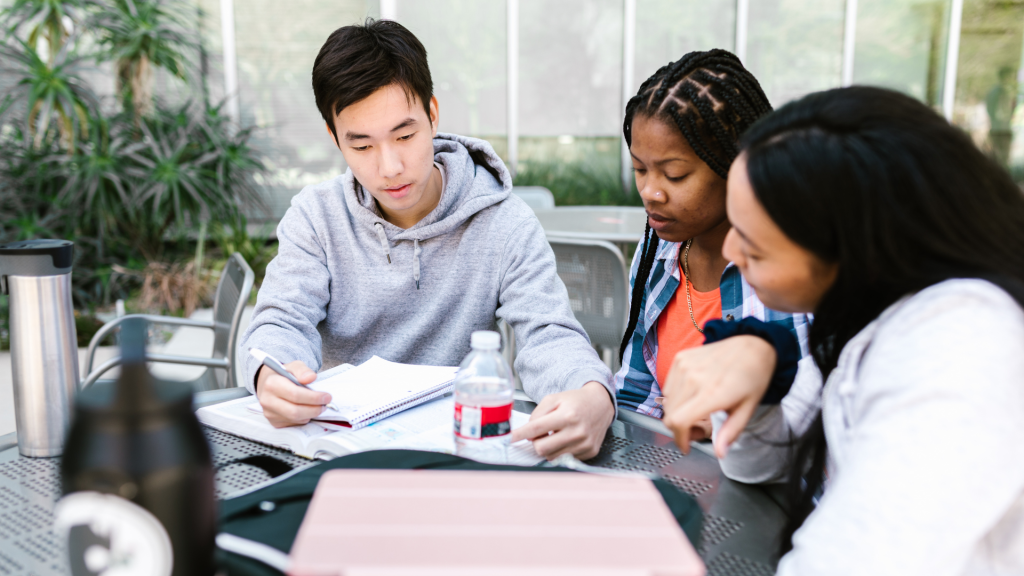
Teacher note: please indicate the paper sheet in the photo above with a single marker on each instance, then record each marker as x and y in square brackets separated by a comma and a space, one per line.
[375, 383]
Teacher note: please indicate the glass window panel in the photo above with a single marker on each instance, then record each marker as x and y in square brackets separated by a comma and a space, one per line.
[668, 29]
[212, 57]
[795, 47]
[276, 45]
[988, 90]
[901, 44]
[570, 67]
[465, 42]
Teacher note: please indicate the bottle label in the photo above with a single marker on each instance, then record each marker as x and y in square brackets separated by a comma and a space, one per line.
[482, 421]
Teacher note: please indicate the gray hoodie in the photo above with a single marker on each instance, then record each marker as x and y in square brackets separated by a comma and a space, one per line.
[346, 284]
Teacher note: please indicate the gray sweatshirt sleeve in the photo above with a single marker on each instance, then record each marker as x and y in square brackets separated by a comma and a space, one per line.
[292, 300]
[554, 353]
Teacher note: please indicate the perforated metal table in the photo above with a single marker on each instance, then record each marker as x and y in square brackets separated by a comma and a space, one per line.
[741, 522]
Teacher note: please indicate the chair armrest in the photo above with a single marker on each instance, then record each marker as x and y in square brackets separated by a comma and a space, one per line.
[189, 360]
[151, 318]
[162, 358]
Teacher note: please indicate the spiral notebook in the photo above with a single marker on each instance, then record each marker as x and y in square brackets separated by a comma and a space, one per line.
[378, 388]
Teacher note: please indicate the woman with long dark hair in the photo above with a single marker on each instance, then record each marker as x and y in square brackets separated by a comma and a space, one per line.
[903, 442]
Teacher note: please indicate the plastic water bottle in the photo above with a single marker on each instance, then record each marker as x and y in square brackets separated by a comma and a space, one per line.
[483, 401]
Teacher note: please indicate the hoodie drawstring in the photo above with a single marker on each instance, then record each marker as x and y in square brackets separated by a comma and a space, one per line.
[379, 228]
[416, 262]
[383, 240]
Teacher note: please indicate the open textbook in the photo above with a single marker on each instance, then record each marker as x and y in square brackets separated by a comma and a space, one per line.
[425, 427]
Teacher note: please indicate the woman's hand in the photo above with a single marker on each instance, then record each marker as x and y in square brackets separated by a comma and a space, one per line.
[730, 375]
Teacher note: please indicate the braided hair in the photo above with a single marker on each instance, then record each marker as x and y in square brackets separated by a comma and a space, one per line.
[712, 99]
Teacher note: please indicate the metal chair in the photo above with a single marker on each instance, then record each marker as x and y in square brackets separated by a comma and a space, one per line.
[536, 197]
[596, 277]
[236, 280]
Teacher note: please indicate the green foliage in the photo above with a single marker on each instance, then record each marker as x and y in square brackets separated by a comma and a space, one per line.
[127, 184]
[45, 20]
[96, 182]
[86, 326]
[181, 167]
[578, 183]
[257, 250]
[53, 92]
[139, 34]
[27, 188]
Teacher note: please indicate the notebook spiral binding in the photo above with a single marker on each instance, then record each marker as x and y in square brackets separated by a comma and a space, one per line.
[395, 407]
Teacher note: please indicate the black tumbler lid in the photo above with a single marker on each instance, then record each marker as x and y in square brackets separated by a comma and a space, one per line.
[36, 257]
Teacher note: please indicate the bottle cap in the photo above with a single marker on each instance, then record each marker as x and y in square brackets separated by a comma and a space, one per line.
[485, 340]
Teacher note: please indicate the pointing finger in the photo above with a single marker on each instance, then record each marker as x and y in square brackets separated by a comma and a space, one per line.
[733, 427]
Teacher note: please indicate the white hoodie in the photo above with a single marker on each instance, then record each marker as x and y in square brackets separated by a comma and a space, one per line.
[924, 419]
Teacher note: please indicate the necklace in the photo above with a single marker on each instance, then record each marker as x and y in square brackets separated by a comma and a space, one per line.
[686, 279]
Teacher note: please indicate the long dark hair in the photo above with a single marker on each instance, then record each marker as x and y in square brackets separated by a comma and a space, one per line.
[879, 183]
[712, 99]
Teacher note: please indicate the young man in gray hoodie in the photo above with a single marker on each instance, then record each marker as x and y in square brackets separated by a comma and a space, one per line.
[415, 246]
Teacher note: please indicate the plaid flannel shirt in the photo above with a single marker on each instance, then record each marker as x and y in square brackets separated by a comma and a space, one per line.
[636, 381]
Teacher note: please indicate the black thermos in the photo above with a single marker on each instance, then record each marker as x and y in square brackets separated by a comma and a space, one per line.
[135, 444]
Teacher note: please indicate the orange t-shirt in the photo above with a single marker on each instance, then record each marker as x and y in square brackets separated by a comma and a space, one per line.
[676, 331]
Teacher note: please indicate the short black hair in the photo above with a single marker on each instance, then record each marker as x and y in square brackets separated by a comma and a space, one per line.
[356, 61]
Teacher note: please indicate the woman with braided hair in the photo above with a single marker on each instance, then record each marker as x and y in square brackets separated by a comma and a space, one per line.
[682, 129]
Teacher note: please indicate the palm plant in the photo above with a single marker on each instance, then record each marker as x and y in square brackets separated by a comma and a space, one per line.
[95, 182]
[124, 185]
[186, 170]
[53, 93]
[47, 20]
[27, 190]
[140, 34]
[170, 170]
[237, 162]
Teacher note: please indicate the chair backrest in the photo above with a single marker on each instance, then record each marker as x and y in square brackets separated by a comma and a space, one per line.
[596, 277]
[536, 197]
[236, 280]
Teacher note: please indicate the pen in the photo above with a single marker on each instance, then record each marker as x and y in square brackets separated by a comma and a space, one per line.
[275, 365]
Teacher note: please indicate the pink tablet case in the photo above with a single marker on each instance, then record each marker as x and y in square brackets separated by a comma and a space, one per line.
[430, 522]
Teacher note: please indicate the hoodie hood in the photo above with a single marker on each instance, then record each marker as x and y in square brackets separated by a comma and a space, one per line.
[475, 178]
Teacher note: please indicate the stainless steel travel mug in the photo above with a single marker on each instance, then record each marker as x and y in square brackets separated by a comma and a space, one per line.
[44, 348]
